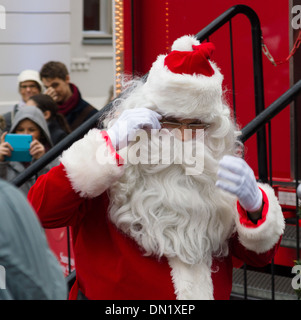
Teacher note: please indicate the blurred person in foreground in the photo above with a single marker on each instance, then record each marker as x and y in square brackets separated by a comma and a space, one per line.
[153, 225]
[28, 268]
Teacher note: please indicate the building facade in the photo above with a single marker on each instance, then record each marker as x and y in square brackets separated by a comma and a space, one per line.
[34, 32]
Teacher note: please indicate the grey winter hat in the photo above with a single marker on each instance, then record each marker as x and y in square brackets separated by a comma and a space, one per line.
[36, 115]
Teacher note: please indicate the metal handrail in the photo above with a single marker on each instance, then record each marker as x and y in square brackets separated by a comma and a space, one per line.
[270, 112]
[257, 70]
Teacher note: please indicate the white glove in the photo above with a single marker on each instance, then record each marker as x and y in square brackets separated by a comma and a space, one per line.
[238, 178]
[129, 122]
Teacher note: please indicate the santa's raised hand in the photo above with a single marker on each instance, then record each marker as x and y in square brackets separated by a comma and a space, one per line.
[129, 122]
[236, 177]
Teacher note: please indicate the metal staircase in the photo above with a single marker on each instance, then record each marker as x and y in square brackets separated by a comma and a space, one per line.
[260, 286]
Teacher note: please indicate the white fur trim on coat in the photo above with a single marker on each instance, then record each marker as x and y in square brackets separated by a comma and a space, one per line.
[264, 237]
[90, 165]
[191, 282]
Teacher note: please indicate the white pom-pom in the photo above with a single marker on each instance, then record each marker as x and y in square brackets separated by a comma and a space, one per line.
[185, 43]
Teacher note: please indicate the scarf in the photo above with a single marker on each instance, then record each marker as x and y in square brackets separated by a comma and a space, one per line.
[67, 106]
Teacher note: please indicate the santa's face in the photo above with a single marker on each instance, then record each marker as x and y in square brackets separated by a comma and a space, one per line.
[173, 208]
[165, 147]
[184, 129]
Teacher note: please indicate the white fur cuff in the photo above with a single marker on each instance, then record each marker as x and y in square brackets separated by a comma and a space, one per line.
[90, 165]
[262, 238]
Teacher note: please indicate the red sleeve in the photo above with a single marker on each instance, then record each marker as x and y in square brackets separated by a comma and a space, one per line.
[243, 215]
[55, 202]
[245, 255]
[250, 257]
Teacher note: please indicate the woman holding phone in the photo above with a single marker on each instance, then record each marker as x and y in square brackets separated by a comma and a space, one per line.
[29, 120]
[56, 122]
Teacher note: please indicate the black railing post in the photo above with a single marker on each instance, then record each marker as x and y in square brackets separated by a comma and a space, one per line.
[257, 71]
[232, 72]
[296, 173]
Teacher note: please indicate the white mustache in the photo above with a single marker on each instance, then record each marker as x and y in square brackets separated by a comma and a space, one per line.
[163, 147]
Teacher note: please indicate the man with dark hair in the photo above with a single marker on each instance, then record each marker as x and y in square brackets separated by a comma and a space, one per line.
[56, 79]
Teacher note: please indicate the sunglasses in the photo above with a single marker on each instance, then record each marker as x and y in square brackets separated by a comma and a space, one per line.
[177, 125]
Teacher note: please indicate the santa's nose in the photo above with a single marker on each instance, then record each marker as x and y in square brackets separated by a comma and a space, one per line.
[184, 133]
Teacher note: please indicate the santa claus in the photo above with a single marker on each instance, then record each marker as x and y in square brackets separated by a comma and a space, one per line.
[162, 229]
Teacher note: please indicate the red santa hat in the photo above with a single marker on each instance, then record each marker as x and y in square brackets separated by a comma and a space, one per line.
[191, 62]
[185, 83]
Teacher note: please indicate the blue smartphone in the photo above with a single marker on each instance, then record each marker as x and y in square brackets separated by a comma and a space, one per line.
[20, 144]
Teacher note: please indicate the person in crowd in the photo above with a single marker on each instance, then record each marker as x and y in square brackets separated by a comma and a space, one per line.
[57, 125]
[29, 84]
[29, 120]
[28, 268]
[2, 124]
[144, 228]
[111, 95]
[56, 79]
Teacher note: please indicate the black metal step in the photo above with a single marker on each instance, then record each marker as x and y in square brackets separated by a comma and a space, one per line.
[259, 286]
[289, 238]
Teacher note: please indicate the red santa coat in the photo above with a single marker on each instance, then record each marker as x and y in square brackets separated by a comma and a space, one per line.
[109, 264]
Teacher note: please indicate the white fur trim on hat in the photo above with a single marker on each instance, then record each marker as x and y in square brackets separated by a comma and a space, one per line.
[90, 165]
[264, 237]
[184, 95]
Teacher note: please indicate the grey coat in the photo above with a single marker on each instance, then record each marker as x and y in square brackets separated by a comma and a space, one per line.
[28, 268]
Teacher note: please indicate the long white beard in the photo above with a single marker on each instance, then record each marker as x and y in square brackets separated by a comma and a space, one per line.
[172, 214]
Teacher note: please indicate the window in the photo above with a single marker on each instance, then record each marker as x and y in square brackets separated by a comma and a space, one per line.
[97, 21]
